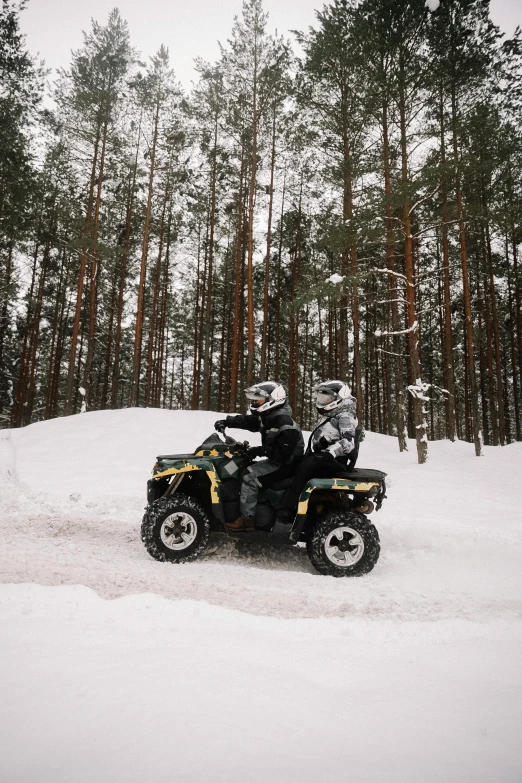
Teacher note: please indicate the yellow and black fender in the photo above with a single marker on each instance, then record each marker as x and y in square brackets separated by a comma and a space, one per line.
[174, 472]
[371, 483]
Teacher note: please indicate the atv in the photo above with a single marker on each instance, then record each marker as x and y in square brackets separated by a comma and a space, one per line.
[191, 494]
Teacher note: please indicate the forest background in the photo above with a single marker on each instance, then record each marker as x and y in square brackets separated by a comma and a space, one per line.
[350, 206]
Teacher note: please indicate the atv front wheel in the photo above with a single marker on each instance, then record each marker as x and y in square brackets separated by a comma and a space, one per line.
[344, 544]
[175, 529]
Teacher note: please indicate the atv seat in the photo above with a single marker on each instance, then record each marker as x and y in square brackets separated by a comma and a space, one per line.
[285, 483]
[363, 474]
[345, 470]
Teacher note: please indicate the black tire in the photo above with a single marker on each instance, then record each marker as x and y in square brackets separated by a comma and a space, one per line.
[364, 545]
[158, 531]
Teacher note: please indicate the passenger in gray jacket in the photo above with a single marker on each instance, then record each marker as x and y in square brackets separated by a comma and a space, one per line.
[329, 446]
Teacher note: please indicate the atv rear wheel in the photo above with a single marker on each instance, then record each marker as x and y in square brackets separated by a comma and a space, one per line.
[344, 544]
[175, 529]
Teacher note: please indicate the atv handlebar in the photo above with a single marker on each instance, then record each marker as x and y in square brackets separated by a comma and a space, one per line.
[243, 447]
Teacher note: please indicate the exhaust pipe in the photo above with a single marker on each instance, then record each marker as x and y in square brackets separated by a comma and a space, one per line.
[366, 507]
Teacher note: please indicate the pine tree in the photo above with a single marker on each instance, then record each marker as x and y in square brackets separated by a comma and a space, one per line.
[21, 84]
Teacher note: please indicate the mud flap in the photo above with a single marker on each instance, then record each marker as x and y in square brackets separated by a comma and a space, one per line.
[297, 528]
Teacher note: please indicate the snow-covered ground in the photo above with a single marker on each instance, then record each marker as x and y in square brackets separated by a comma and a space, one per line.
[247, 665]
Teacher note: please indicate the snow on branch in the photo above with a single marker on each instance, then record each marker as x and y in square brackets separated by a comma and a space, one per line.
[394, 274]
[420, 389]
[391, 353]
[412, 328]
[424, 198]
[401, 300]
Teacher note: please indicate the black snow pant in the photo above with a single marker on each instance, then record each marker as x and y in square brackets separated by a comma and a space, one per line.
[313, 466]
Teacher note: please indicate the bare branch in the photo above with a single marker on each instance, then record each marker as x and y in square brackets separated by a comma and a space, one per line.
[391, 353]
[435, 225]
[424, 198]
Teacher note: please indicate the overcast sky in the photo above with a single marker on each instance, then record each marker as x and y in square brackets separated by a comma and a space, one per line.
[190, 28]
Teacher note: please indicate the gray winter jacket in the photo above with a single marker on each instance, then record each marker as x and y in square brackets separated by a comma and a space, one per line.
[336, 433]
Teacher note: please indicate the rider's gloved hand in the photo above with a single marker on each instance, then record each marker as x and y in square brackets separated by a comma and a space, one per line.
[256, 451]
[321, 444]
[221, 425]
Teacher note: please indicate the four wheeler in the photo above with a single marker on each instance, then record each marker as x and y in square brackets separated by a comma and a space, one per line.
[191, 494]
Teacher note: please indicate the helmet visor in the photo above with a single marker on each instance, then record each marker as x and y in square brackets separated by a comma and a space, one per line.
[255, 399]
[324, 398]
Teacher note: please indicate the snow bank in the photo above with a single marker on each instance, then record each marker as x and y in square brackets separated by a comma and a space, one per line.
[107, 452]
[73, 507]
[260, 669]
[144, 689]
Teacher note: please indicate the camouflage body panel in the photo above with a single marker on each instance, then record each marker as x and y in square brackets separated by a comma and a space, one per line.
[345, 485]
[164, 469]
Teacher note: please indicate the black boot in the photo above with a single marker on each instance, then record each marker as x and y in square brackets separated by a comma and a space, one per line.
[283, 524]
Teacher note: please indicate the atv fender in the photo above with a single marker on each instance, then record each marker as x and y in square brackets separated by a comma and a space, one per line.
[345, 485]
[187, 466]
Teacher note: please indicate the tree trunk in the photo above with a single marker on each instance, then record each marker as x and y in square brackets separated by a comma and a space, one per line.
[412, 321]
[163, 329]
[237, 297]
[18, 409]
[59, 326]
[95, 267]
[208, 314]
[489, 358]
[136, 362]
[250, 256]
[68, 405]
[123, 277]
[447, 353]
[512, 320]
[518, 308]
[264, 334]
[393, 290]
[35, 333]
[155, 298]
[349, 260]
[277, 315]
[496, 339]
[293, 358]
[465, 284]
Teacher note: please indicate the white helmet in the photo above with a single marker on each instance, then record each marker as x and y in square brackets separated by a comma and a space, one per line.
[265, 396]
[329, 395]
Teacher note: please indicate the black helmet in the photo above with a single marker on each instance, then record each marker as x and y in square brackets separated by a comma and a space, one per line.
[263, 397]
[329, 395]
